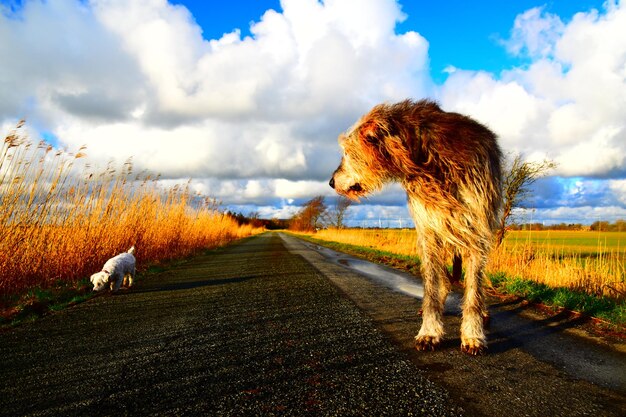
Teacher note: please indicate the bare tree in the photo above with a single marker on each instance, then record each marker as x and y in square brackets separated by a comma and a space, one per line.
[310, 215]
[337, 215]
[517, 179]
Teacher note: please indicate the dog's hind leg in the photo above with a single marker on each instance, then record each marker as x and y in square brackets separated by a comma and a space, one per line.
[131, 277]
[432, 256]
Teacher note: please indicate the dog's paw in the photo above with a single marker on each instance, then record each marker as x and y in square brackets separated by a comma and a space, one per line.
[473, 346]
[425, 342]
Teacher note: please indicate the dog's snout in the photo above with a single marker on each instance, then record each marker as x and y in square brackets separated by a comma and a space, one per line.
[332, 182]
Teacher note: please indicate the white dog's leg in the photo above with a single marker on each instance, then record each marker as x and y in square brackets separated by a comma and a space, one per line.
[119, 278]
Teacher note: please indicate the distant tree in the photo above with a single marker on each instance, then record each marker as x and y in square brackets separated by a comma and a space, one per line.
[517, 179]
[336, 215]
[252, 219]
[276, 224]
[310, 215]
[600, 226]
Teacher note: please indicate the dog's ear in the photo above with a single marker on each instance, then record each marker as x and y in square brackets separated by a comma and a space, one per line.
[369, 133]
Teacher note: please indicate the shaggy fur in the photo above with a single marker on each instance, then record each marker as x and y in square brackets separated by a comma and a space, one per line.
[115, 272]
[450, 167]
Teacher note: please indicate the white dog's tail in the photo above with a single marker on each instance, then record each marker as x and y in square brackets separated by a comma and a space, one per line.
[131, 250]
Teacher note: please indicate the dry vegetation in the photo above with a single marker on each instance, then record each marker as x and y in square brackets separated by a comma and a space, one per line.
[593, 262]
[60, 219]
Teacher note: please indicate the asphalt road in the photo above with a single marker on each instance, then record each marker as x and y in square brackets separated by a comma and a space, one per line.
[272, 326]
[251, 329]
[535, 366]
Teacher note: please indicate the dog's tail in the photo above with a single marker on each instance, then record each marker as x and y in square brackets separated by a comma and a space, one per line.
[131, 250]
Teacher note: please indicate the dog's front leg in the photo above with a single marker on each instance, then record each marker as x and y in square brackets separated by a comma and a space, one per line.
[119, 278]
[432, 331]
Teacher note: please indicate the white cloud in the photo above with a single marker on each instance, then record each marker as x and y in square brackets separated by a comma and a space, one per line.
[574, 192]
[313, 57]
[255, 119]
[137, 78]
[535, 33]
[272, 212]
[57, 58]
[582, 215]
[377, 215]
[291, 190]
[618, 187]
[569, 104]
[263, 192]
[506, 106]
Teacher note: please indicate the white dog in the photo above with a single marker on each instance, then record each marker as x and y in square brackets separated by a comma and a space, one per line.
[115, 271]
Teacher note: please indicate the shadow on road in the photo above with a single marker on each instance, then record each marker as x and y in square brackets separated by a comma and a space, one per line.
[195, 284]
[511, 332]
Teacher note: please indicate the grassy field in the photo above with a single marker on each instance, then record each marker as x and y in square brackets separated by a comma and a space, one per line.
[61, 219]
[584, 243]
[591, 262]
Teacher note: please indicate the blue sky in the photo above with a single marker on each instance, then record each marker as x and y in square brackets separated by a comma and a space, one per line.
[461, 33]
[248, 97]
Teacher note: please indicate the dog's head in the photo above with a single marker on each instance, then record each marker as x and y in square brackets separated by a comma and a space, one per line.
[100, 280]
[368, 155]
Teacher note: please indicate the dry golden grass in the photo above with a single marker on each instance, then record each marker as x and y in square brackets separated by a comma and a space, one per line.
[400, 241]
[592, 262]
[60, 220]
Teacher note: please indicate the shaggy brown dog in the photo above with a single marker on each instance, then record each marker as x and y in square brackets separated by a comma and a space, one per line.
[449, 166]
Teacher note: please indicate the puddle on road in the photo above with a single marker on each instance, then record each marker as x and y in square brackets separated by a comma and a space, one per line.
[396, 281]
[388, 278]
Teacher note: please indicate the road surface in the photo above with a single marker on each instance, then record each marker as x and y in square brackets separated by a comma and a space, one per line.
[277, 326]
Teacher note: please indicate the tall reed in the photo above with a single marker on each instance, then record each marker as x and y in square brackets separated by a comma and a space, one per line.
[60, 219]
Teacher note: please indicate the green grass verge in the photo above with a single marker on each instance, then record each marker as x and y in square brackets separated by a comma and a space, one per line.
[37, 302]
[592, 305]
[603, 308]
